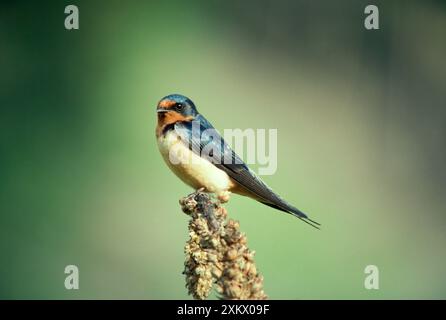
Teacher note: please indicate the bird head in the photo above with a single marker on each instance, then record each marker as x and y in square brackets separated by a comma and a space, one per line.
[175, 107]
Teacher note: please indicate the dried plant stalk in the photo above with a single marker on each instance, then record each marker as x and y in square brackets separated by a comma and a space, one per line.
[217, 253]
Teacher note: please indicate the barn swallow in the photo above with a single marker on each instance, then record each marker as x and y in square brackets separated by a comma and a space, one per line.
[177, 115]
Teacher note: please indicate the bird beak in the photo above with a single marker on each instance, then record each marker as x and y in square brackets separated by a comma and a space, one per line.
[161, 110]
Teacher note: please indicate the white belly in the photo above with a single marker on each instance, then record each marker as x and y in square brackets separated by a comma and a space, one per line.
[191, 168]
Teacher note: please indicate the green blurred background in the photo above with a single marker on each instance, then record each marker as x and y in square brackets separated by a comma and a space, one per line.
[361, 122]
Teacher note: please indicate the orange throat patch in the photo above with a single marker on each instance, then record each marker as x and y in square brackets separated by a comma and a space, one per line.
[170, 117]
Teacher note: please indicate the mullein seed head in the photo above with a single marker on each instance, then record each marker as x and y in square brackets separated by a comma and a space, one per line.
[217, 252]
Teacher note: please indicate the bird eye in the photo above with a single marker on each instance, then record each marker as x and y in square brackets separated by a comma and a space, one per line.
[179, 106]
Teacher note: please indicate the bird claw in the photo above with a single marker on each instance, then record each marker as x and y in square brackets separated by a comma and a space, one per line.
[195, 193]
[222, 196]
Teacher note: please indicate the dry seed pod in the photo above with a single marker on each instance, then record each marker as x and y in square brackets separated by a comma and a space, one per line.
[217, 252]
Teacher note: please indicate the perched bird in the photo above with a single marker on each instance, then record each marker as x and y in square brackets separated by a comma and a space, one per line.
[182, 148]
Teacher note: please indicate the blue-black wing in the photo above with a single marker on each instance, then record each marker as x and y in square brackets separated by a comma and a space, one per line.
[202, 136]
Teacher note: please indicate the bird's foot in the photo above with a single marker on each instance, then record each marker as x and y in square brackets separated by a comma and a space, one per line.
[189, 202]
[195, 193]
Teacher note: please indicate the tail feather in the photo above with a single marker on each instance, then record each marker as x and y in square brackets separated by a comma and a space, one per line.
[285, 207]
